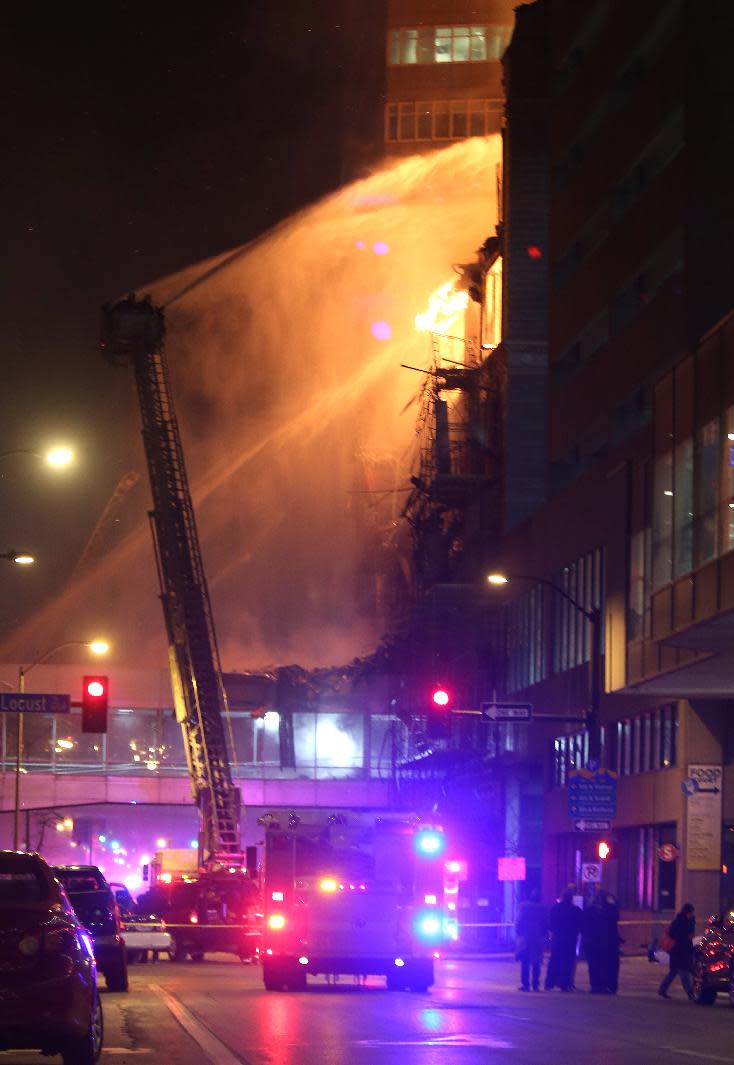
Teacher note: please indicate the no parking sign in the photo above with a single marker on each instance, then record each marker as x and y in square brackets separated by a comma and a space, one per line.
[591, 873]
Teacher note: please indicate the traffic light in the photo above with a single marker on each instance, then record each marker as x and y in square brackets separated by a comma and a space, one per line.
[603, 849]
[95, 692]
[438, 714]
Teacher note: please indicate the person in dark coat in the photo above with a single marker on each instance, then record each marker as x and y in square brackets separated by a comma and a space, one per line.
[531, 929]
[565, 925]
[600, 940]
[681, 954]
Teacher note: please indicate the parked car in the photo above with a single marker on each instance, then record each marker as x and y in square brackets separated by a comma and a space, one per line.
[48, 976]
[214, 912]
[144, 933]
[712, 966]
[96, 907]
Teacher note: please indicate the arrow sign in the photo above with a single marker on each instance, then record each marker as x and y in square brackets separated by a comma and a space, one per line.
[34, 703]
[592, 826]
[507, 711]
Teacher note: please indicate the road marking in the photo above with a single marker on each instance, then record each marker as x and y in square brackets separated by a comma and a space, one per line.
[127, 1050]
[697, 1055]
[214, 1049]
[463, 1040]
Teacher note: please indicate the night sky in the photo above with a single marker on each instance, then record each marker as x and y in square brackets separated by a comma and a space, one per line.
[137, 140]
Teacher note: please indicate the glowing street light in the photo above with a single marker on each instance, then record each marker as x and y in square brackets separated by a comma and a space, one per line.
[59, 457]
[21, 558]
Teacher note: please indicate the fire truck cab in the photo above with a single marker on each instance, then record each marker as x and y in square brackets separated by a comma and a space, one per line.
[351, 893]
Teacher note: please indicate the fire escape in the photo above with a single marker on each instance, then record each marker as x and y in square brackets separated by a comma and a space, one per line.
[454, 508]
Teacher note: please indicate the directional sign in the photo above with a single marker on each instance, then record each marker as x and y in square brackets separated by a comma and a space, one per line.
[34, 703]
[592, 826]
[592, 796]
[507, 711]
[703, 816]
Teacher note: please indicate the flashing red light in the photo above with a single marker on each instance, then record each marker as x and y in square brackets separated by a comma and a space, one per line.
[534, 252]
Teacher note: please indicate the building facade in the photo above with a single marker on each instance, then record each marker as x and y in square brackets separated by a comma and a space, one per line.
[444, 75]
[634, 516]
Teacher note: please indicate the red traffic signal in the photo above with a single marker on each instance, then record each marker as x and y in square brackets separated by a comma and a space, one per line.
[440, 697]
[95, 691]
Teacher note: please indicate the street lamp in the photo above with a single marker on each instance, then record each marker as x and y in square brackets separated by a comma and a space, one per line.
[58, 457]
[593, 616]
[98, 647]
[21, 558]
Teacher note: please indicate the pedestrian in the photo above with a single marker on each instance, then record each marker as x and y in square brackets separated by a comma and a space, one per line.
[565, 924]
[601, 941]
[681, 953]
[530, 931]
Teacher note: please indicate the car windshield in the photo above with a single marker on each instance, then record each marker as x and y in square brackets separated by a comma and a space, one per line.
[21, 879]
[80, 881]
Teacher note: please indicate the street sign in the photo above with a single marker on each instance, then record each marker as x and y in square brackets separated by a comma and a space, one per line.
[34, 703]
[506, 711]
[591, 872]
[511, 869]
[592, 826]
[592, 796]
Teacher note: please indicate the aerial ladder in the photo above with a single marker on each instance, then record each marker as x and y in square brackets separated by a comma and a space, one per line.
[133, 332]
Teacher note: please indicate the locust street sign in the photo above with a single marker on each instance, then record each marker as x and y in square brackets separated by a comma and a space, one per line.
[592, 826]
[34, 703]
[506, 711]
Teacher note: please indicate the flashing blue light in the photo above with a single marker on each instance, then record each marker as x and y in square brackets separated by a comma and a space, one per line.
[115, 845]
[429, 926]
[101, 839]
[430, 843]
[194, 844]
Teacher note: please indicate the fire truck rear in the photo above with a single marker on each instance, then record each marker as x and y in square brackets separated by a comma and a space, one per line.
[351, 893]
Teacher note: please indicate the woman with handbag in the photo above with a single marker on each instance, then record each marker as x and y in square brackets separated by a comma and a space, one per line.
[681, 952]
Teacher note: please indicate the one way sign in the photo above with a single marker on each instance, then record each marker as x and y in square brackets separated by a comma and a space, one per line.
[592, 826]
[506, 711]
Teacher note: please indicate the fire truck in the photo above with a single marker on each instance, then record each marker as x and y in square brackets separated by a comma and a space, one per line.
[352, 893]
[133, 332]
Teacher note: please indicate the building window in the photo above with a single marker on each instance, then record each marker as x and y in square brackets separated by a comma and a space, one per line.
[662, 520]
[582, 582]
[707, 476]
[526, 663]
[639, 744]
[447, 44]
[441, 120]
[727, 494]
[683, 508]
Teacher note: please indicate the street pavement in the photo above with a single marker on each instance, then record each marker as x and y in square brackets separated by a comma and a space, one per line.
[218, 1012]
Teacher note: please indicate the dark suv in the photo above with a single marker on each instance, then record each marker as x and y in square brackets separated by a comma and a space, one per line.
[96, 907]
[712, 966]
[48, 978]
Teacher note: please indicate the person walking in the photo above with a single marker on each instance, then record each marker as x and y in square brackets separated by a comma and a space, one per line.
[530, 930]
[681, 953]
[565, 924]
